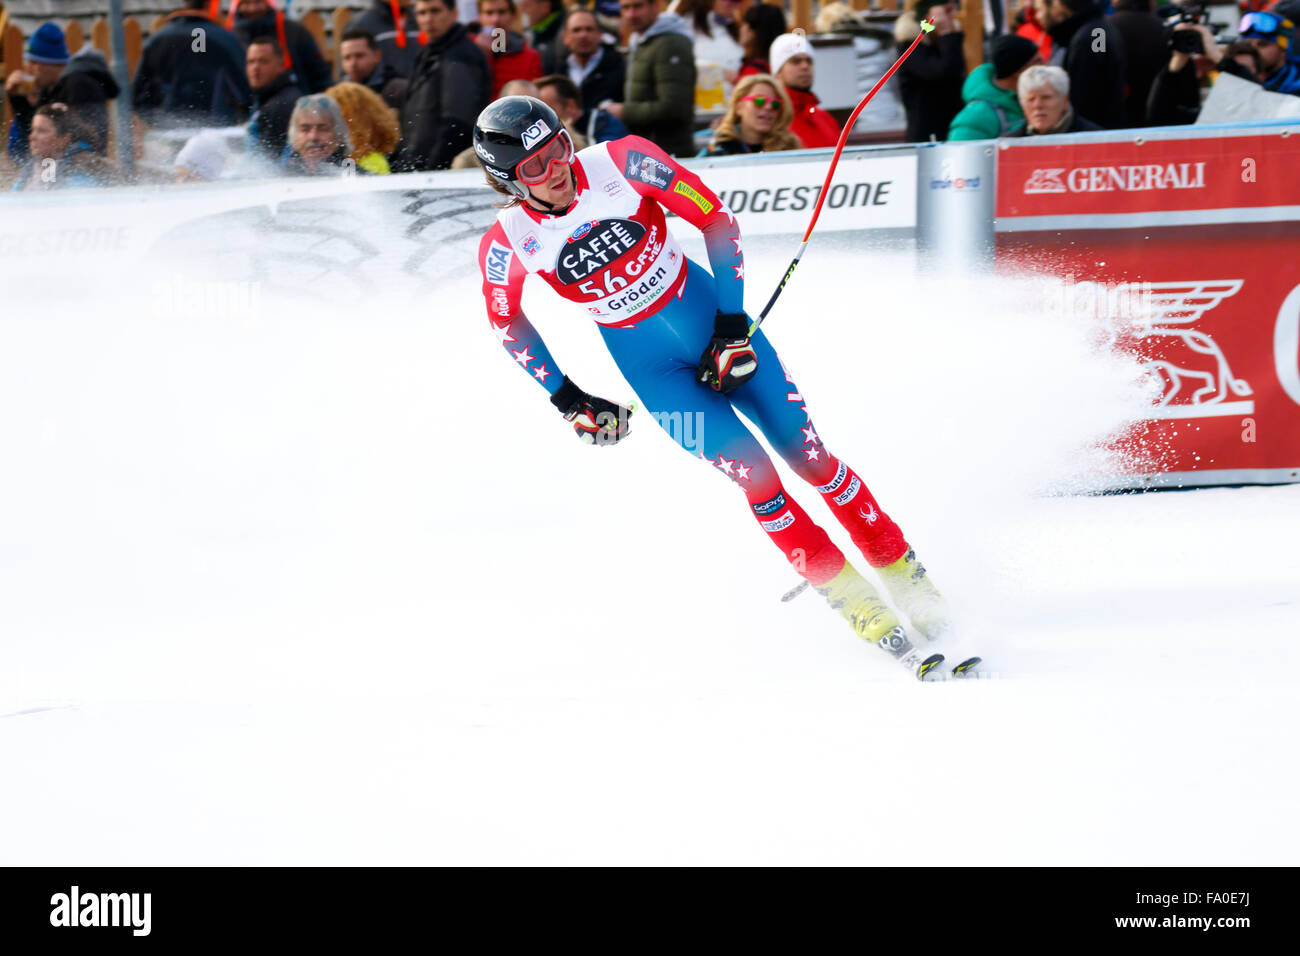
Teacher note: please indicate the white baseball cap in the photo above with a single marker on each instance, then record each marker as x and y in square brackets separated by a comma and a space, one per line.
[786, 46]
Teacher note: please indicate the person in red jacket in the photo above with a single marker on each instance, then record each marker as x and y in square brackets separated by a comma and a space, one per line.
[509, 55]
[1033, 22]
[792, 63]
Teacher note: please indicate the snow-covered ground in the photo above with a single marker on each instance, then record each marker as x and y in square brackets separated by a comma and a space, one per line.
[332, 583]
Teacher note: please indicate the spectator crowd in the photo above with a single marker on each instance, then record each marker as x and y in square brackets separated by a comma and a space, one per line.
[1067, 66]
[414, 75]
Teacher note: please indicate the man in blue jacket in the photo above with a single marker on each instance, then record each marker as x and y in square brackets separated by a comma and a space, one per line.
[1272, 34]
[259, 18]
[191, 73]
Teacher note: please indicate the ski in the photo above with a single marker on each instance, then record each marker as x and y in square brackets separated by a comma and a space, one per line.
[928, 666]
[914, 658]
[896, 643]
[794, 592]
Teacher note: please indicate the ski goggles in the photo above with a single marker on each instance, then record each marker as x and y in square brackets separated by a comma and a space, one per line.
[1260, 24]
[536, 169]
[763, 102]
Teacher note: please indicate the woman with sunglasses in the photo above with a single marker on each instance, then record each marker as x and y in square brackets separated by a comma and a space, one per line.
[757, 120]
[592, 226]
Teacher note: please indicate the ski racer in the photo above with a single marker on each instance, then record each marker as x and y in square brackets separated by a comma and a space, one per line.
[592, 226]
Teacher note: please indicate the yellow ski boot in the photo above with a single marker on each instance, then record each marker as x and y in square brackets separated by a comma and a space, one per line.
[871, 619]
[916, 596]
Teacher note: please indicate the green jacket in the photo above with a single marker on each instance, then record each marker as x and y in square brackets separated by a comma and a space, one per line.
[989, 112]
[660, 100]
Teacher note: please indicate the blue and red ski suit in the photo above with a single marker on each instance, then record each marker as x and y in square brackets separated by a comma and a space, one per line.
[612, 253]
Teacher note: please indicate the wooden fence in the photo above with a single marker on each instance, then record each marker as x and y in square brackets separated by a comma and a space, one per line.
[11, 38]
[326, 30]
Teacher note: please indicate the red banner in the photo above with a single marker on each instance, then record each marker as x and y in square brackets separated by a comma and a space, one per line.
[1160, 175]
[1212, 308]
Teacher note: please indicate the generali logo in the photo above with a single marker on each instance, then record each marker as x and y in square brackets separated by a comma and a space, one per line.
[1106, 179]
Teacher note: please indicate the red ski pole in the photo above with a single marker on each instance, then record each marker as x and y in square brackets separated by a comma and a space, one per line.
[926, 27]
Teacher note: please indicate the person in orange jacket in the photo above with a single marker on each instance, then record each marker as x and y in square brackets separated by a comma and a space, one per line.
[508, 54]
[791, 57]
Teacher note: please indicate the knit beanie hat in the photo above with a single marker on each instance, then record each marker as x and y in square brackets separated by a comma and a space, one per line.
[47, 45]
[1010, 53]
[786, 46]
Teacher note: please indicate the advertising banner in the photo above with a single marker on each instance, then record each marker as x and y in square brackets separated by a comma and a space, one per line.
[955, 203]
[1147, 175]
[868, 192]
[1204, 287]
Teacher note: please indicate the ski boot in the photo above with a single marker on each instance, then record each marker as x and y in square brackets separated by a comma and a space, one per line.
[872, 620]
[916, 596]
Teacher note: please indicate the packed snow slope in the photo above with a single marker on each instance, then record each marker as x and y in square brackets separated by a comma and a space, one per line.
[310, 571]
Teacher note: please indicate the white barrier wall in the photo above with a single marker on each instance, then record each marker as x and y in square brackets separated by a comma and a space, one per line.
[1145, 210]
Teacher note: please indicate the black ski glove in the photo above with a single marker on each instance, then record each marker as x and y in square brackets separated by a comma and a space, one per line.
[729, 361]
[597, 421]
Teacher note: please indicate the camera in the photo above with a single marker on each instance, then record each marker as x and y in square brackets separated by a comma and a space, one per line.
[1193, 12]
[1186, 41]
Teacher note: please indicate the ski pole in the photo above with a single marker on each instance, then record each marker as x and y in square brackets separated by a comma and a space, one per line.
[926, 27]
